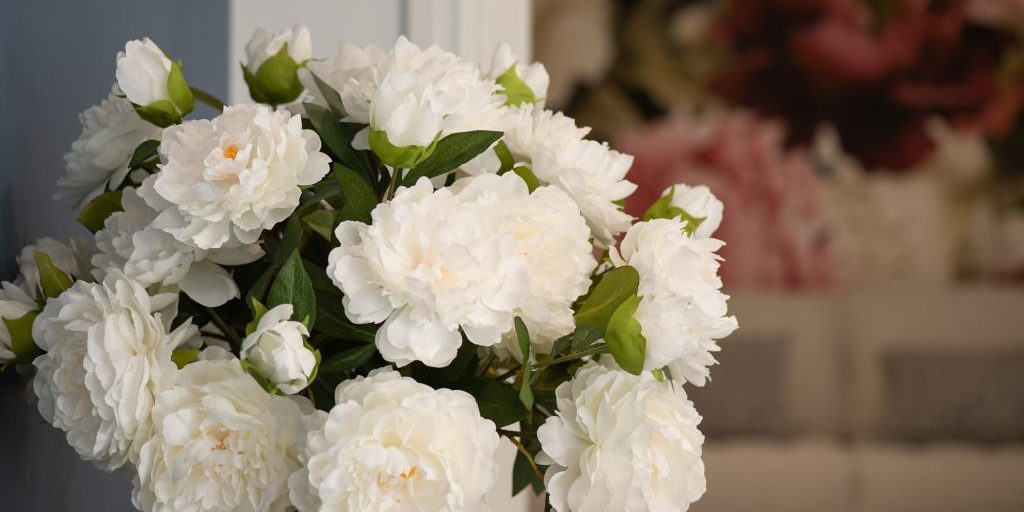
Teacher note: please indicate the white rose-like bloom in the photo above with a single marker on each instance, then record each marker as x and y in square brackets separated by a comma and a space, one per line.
[129, 243]
[72, 259]
[682, 309]
[220, 442]
[108, 353]
[553, 242]
[142, 71]
[277, 350]
[553, 147]
[698, 202]
[354, 73]
[392, 443]
[228, 179]
[265, 44]
[99, 158]
[14, 304]
[535, 76]
[426, 266]
[423, 94]
[621, 442]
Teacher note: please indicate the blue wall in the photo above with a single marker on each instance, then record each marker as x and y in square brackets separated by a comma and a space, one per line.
[56, 59]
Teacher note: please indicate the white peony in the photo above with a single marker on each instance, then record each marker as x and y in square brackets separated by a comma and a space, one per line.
[354, 73]
[72, 259]
[277, 350]
[552, 242]
[534, 76]
[621, 442]
[14, 304]
[426, 94]
[429, 265]
[220, 442]
[700, 203]
[682, 309]
[108, 353]
[392, 443]
[265, 44]
[99, 158]
[226, 180]
[129, 243]
[142, 72]
[553, 147]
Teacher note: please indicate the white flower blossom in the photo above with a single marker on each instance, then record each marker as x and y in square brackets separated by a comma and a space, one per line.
[220, 442]
[682, 309]
[699, 202]
[428, 265]
[14, 304]
[142, 72]
[277, 350]
[391, 443]
[129, 243]
[553, 244]
[621, 442]
[228, 179]
[72, 259]
[108, 353]
[265, 44]
[99, 158]
[354, 73]
[426, 94]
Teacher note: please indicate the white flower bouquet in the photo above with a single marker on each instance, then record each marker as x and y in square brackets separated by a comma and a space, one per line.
[342, 296]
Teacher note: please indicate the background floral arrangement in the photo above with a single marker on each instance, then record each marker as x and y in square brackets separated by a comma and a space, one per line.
[343, 295]
[919, 100]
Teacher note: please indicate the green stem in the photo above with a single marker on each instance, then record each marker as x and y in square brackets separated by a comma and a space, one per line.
[221, 324]
[396, 176]
[207, 98]
[597, 349]
[508, 374]
[526, 453]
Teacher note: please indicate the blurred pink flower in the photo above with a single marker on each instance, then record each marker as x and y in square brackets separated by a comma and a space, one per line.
[774, 225]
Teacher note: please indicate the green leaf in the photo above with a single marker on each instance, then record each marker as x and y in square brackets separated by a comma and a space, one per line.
[143, 153]
[330, 95]
[399, 157]
[514, 88]
[331, 320]
[292, 286]
[178, 90]
[615, 287]
[625, 340]
[322, 222]
[451, 152]
[360, 199]
[527, 175]
[348, 360]
[321, 282]
[258, 310]
[290, 240]
[184, 356]
[161, 113]
[20, 329]
[524, 476]
[523, 337]
[663, 209]
[52, 280]
[102, 206]
[277, 79]
[439, 377]
[577, 341]
[498, 402]
[337, 139]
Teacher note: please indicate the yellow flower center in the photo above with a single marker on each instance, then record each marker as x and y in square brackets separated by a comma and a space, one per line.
[230, 151]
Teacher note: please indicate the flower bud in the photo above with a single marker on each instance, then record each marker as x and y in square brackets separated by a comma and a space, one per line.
[153, 83]
[272, 64]
[277, 350]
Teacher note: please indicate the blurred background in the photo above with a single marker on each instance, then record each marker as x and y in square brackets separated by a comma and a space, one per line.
[870, 154]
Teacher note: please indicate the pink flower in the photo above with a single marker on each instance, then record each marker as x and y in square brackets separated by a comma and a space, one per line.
[774, 227]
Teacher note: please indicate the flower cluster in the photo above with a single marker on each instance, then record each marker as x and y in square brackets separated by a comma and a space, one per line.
[347, 308]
